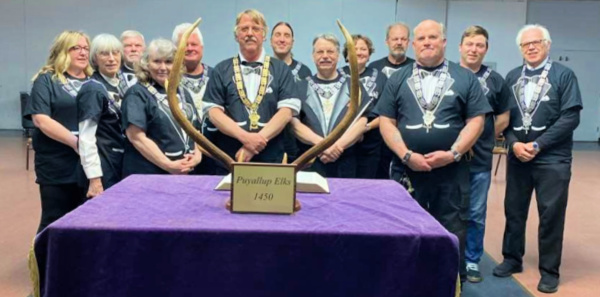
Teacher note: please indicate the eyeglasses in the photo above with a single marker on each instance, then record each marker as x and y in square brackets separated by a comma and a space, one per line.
[535, 43]
[80, 49]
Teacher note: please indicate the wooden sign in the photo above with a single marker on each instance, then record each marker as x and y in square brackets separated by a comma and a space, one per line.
[263, 188]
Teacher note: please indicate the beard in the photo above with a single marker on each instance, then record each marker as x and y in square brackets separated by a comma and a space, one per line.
[398, 53]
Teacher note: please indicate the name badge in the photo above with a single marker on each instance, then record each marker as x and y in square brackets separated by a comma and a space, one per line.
[263, 188]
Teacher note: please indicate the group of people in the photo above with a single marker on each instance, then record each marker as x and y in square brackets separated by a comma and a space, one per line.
[101, 114]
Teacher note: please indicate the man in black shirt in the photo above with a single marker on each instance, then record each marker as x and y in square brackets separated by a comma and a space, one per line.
[397, 37]
[282, 41]
[251, 97]
[540, 140]
[430, 115]
[473, 47]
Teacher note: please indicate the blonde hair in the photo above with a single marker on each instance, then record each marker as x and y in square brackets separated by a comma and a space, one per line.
[256, 16]
[160, 48]
[59, 60]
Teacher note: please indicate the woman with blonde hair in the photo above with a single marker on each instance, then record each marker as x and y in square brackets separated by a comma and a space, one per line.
[101, 138]
[53, 110]
[155, 143]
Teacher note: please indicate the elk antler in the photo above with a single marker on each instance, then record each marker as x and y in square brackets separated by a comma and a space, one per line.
[317, 149]
[172, 85]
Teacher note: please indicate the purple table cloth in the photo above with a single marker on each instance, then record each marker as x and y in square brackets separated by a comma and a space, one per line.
[171, 236]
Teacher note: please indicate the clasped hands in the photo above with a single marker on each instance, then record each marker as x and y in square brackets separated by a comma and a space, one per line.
[525, 152]
[430, 161]
[252, 144]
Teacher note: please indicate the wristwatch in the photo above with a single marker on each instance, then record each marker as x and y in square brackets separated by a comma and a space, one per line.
[536, 147]
[406, 157]
[457, 156]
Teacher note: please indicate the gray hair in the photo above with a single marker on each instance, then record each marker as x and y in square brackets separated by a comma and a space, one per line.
[104, 43]
[130, 34]
[526, 28]
[329, 37]
[182, 28]
[398, 24]
[161, 48]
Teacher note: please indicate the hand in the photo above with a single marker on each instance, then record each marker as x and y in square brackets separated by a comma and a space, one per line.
[439, 159]
[522, 153]
[95, 188]
[332, 154]
[180, 166]
[254, 143]
[530, 149]
[247, 154]
[417, 162]
[193, 159]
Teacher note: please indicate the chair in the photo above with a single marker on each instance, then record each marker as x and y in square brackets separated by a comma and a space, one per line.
[28, 127]
[500, 148]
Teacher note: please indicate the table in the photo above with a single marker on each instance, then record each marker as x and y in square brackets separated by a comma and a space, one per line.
[160, 235]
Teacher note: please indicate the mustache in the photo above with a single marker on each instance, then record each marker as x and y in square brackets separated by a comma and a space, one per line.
[250, 38]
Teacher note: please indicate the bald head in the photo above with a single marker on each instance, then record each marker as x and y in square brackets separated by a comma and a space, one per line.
[429, 43]
[431, 24]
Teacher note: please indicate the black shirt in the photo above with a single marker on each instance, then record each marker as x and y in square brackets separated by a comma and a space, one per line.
[222, 93]
[142, 109]
[55, 162]
[299, 71]
[555, 118]
[498, 97]
[100, 101]
[373, 82]
[386, 67]
[462, 99]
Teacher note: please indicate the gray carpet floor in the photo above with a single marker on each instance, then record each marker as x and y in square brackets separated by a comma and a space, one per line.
[492, 286]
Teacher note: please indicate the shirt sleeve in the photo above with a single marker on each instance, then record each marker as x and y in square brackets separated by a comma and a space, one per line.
[88, 151]
[134, 110]
[387, 104]
[288, 92]
[503, 102]
[39, 101]
[90, 101]
[215, 94]
[561, 130]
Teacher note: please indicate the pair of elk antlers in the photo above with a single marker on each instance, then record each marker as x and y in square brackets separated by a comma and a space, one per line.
[216, 153]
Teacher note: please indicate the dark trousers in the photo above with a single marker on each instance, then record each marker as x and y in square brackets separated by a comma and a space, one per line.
[444, 193]
[551, 185]
[58, 200]
[385, 160]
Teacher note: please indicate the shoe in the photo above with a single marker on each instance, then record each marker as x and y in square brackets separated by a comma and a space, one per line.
[473, 274]
[548, 284]
[506, 269]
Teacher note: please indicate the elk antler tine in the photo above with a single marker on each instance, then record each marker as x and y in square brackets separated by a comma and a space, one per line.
[285, 159]
[174, 79]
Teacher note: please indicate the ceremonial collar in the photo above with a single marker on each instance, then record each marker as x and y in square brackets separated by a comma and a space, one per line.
[127, 67]
[112, 81]
[481, 71]
[325, 82]
[430, 69]
[260, 60]
[529, 68]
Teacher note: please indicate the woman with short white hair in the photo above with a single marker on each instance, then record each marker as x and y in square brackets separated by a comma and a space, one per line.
[99, 115]
[156, 144]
